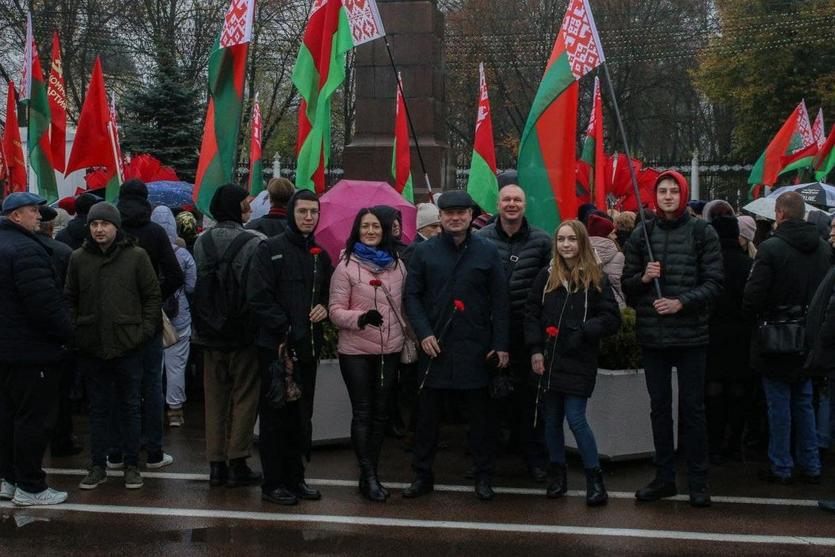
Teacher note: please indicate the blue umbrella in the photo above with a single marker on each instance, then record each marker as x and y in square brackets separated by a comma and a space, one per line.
[171, 194]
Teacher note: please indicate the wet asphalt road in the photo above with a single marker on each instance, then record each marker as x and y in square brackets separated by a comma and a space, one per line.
[176, 513]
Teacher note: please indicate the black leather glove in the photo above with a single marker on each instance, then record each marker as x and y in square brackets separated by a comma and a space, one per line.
[370, 317]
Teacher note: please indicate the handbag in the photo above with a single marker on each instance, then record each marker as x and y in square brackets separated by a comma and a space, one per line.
[170, 336]
[783, 331]
[276, 395]
[409, 353]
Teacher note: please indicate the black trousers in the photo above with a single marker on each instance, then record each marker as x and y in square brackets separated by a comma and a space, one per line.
[284, 436]
[482, 429]
[690, 366]
[517, 412]
[369, 380]
[28, 410]
[62, 435]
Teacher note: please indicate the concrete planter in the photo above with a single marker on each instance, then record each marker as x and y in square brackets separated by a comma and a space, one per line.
[618, 413]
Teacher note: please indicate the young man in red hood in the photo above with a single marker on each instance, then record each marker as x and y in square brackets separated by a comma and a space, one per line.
[673, 329]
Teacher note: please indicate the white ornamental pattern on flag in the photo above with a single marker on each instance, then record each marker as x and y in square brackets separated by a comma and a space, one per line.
[579, 35]
[237, 24]
[364, 20]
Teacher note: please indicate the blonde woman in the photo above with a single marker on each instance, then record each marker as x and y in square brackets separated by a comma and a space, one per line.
[570, 307]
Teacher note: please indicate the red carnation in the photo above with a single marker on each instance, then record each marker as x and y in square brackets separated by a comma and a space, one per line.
[376, 283]
[459, 305]
[315, 250]
[552, 331]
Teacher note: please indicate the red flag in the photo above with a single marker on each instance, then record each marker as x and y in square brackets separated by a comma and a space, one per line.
[57, 108]
[94, 143]
[593, 156]
[12, 147]
[401, 162]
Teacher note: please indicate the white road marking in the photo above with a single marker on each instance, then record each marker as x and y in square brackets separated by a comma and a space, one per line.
[440, 524]
[772, 501]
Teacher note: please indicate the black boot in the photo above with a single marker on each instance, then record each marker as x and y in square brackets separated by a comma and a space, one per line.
[370, 487]
[557, 481]
[240, 474]
[217, 473]
[595, 490]
[420, 486]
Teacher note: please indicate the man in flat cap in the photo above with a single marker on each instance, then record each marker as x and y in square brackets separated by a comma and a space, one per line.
[34, 330]
[457, 302]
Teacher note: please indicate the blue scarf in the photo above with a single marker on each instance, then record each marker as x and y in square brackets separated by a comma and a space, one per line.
[373, 256]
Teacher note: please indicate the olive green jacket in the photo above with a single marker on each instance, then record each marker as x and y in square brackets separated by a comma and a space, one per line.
[115, 298]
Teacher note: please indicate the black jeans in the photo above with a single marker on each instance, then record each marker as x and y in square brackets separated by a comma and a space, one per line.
[282, 442]
[690, 366]
[482, 436]
[62, 434]
[369, 388]
[114, 382]
[517, 411]
[28, 409]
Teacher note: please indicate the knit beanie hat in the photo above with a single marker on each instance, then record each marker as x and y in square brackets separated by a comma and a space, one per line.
[105, 211]
[599, 226]
[747, 227]
[427, 213]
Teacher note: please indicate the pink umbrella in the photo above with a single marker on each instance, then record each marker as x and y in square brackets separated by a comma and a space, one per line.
[339, 206]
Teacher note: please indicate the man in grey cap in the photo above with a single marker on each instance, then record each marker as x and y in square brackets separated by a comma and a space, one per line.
[457, 302]
[34, 329]
[115, 299]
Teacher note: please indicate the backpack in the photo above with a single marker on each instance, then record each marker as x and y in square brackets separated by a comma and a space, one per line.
[220, 310]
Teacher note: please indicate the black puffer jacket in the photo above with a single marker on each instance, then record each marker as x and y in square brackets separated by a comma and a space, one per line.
[691, 271]
[588, 316]
[270, 225]
[787, 271]
[284, 284]
[440, 272]
[523, 255]
[60, 254]
[75, 232]
[820, 328]
[34, 315]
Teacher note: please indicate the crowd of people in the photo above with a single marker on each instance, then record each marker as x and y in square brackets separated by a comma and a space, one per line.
[486, 312]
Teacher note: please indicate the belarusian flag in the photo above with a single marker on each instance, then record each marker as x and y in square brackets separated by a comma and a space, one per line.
[825, 160]
[256, 176]
[770, 163]
[547, 156]
[593, 154]
[227, 73]
[40, 151]
[57, 108]
[319, 71]
[12, 147]
[401, 157]
[94, 144]
[803, 147]
[114, 126]
[482, 185]
[29, 51]
[818, 129]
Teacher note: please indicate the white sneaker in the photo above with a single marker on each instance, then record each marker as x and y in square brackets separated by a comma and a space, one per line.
[165, 461]
[46, 497]
[6, 490]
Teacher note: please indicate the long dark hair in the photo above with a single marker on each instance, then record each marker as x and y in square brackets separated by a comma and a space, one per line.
[386, 244]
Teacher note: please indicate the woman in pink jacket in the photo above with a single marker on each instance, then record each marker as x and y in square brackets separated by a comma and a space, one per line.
[365, 304]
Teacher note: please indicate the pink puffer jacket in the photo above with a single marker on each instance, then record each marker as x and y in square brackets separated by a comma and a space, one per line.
[352, 295]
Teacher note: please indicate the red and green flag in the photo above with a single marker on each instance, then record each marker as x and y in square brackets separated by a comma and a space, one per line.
[95, 143]
[593, 156]
[772, 162]
[401, 159]
[40, 151]
[482, 184]
[547, 153]
[227, 73]
[803, 146]
[825, 160]
[57, 107]
[819, 129]
[333, 28]
[256, 174]
[12, 147]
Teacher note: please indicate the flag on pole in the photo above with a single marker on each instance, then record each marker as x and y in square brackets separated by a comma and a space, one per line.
[401, 159]
[29, 51]
[256, 175]
[482, 184]
[57, 107]
[95, 144]
[117, 145]
[818, 129]
[12, 147]
[803, 147]
[227, 73]
[546, 162]
[770, 163]
[593, 155]
[40, 151]
[825, 160]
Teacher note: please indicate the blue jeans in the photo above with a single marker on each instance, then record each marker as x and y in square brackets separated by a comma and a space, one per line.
[113, 383]
[153, 401]
[825, 418]
[558, 407]
[791, 403]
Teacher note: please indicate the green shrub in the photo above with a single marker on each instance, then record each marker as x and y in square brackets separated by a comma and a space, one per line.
[621, 350]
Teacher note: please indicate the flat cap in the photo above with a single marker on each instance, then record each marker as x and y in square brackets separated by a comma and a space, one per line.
[455, 199]
[20, 199]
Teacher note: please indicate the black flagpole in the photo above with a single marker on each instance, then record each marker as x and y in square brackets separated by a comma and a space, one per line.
[632, 174]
